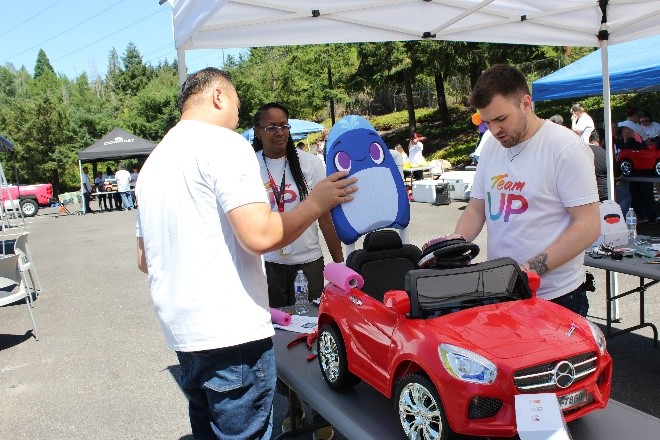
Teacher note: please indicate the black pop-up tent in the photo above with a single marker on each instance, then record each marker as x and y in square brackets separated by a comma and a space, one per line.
[118, 144]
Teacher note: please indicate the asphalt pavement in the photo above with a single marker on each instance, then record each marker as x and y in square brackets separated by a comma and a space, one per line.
[101, 368]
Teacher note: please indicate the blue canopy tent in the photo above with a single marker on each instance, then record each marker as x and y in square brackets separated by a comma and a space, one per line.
[299, 129]
[633, 66]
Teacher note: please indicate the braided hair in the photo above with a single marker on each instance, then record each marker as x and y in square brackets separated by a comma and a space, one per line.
[291, 150]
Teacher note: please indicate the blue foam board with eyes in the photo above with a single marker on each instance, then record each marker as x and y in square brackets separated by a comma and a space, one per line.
[381, 200]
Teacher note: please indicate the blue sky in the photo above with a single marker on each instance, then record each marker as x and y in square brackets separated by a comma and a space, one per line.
[78, 35]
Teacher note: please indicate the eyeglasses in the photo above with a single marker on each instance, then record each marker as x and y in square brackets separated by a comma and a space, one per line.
[272, 129]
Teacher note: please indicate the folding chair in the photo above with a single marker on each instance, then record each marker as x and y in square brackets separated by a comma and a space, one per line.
[26, 264]
[13, 287]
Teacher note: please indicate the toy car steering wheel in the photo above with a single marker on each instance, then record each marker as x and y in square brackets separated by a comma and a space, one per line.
[446, 252]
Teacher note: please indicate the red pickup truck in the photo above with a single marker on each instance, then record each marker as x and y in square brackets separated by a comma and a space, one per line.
[28, 197]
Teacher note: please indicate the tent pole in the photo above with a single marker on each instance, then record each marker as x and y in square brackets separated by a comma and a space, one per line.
[181, 59]
[614, 284]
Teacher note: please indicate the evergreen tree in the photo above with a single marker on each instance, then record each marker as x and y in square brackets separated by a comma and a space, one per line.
[42, 65]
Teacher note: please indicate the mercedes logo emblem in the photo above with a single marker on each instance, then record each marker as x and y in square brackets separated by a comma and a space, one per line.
[564, 374]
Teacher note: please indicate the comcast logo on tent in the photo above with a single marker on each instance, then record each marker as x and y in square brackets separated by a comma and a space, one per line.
[118, 140]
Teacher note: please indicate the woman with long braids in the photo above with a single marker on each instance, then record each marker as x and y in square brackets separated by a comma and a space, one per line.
[289, 174]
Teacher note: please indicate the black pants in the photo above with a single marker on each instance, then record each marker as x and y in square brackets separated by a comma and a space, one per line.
[575, 301]
[88, 198]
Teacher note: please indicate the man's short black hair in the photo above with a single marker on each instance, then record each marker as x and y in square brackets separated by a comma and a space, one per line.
[499, 79]
[199, 81]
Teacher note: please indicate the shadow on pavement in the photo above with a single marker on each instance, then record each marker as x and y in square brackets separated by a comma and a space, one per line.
[9, 341]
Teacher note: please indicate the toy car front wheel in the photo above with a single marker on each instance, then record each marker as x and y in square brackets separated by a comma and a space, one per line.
[626, 167]
[420, 409]
[332, 359]
[657, 168]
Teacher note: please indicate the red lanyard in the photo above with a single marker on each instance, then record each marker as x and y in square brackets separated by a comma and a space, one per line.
[277, 192]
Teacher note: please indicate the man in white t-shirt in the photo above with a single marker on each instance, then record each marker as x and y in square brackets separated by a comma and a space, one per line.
[86, 191]
[200, 242]
[534, 189]
[581, 122]
[124, 187]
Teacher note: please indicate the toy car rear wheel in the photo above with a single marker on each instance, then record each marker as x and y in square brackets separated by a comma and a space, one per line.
[332, 359]
[626, 167]
[420, 410]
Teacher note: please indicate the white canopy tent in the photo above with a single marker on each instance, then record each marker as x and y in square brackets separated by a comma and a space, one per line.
[204, 24]
[208, 24]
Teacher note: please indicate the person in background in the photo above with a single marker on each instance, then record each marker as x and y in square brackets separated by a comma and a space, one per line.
[98, 184]
[402, 152]
[134, 177]
[621, 188]
[124, 187]
[632, 133]
[200, 244]
[415, 149]
[651, 128]
[109, 174]
[86, 191]
[600, 164]
[398, 159]
[301, 146]
[288, 174]
[643, 200]
[534, 189]
[581, 122]
[557, 119]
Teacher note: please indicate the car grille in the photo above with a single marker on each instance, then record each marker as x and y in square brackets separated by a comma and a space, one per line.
[541, 377]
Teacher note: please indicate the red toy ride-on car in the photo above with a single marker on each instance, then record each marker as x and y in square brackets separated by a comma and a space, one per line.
[453, 343]
[633, 160]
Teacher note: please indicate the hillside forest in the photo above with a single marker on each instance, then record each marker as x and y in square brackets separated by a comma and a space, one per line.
[401, 87]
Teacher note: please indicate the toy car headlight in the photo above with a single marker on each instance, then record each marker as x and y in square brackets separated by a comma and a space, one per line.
[466, 365]
[599, 337]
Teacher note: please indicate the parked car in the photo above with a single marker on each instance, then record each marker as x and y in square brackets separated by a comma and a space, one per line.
[454, 348]
[27, 198]
[646, 159]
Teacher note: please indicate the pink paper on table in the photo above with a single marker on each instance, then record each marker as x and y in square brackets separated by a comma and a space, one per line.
[280, 317]
[342, 276]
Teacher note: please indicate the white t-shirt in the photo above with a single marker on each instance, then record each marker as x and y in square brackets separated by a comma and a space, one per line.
[415, 153]
[87, 186]
[208, 292]
[526, 199]
[398, 160]
[307, 247]
[477, 152]
[123, 180]
[586, 125]
[652, 130]
[639, 129]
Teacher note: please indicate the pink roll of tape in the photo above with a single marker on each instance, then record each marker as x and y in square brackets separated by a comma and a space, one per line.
[280, 317]
[342, 276]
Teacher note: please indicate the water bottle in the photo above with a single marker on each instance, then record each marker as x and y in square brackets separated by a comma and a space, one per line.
[302, 294]
[631, 222]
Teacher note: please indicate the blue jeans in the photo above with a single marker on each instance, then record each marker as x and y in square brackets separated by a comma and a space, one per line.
[230, 390]
[576, 301]
[126, 200]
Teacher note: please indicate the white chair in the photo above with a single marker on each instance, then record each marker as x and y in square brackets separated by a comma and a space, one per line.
[436, 168]
[26, 264]
[13, 287]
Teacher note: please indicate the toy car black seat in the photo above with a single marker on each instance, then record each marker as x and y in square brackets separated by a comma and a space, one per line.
[447, 252]
[383, 262]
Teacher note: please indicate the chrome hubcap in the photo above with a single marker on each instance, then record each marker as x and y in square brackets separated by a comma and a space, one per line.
[329, 356]
[419, 413]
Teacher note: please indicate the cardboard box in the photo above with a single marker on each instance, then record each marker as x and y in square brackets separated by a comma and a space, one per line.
[538, 417]
[460, 183]
[613, 229]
